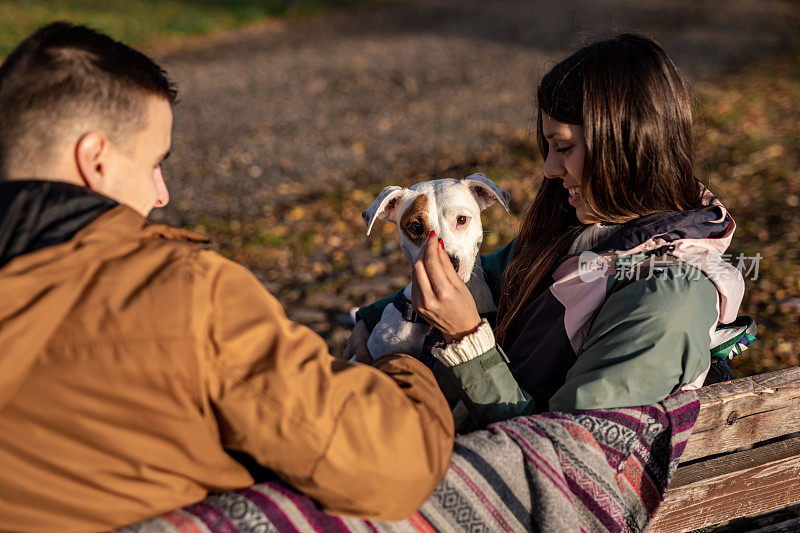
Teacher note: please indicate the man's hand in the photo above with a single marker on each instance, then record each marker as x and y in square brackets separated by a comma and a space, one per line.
[440, 296]
[357, 344]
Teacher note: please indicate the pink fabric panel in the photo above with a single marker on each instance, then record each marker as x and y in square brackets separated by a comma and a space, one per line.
[580, 299]
[726, 278]
[705, 254]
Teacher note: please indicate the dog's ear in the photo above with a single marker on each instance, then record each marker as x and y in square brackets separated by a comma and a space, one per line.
[384, 207]
[486, 191]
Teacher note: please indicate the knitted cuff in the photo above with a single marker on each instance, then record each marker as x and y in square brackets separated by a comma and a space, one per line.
[468, 348]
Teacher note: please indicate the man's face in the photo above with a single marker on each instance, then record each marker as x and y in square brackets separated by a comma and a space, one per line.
[133, 172]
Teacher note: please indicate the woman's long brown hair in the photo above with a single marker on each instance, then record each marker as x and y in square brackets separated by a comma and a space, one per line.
[636, 112]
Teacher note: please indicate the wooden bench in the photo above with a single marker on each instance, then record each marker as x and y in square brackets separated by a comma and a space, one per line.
[743, 458]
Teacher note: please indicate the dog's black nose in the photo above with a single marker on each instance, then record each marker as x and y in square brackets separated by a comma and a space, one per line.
[454, 260]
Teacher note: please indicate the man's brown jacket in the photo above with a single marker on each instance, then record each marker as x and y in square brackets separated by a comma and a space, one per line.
[130, 356]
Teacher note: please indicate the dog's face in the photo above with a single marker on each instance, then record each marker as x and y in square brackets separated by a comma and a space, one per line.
[452, 208]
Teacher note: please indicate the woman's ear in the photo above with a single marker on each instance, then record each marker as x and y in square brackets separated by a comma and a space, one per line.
[91, 154]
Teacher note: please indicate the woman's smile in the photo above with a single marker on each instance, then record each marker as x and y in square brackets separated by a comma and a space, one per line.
[564, 159]
[574, 195]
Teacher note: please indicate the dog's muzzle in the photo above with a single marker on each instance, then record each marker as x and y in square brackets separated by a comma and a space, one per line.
[455, 262]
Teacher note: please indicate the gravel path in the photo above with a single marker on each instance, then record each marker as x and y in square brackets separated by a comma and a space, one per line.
[396, 90]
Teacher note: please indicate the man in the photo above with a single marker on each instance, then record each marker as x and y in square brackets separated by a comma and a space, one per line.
[132, 357]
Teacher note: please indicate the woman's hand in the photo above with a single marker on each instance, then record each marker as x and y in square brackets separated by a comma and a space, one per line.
[440, 296]
[357, 344]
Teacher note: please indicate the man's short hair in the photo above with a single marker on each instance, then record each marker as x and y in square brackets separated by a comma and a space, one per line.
[66, 80]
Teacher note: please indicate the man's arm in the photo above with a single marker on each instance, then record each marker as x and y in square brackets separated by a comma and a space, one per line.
[367, 441]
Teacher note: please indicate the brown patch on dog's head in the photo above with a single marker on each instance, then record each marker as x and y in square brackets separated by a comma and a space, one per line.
[414, 223]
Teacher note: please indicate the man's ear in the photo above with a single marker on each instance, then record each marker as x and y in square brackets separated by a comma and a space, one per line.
[486, 191]
[384, 207]
[91, 154]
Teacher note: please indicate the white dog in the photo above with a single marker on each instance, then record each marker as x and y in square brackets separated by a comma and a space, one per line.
[452, 208]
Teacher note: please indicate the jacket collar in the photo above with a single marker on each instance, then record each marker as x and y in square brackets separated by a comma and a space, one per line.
[35, 214]
[670, 226]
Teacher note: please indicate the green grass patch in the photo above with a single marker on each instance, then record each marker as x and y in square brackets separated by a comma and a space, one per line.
[265, 238]
[146, 22]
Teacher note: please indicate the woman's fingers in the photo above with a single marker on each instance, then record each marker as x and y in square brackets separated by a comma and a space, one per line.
[420, 266]
[420, 285]
[447, 267]
[428, 282]
[433, 264]
[421, 289]
[439, 295]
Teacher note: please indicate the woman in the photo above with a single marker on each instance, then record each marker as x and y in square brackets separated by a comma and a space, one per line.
[612, 290]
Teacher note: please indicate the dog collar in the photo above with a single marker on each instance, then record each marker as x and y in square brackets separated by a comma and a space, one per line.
[403, 305]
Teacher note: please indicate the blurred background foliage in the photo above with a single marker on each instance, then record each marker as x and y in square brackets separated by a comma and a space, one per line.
[314, 256]
[308, 246]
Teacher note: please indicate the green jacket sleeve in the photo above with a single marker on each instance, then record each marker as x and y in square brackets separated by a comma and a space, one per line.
[371, 314]
[648, 340]
[493, 265]
[488, 389]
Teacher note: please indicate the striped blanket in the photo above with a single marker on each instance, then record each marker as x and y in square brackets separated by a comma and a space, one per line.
[586, 471]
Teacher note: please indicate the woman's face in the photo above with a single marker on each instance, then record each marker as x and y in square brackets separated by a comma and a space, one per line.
[565, 155]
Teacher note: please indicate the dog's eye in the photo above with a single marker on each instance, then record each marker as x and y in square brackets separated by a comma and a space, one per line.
[461, 220]
[415, 227]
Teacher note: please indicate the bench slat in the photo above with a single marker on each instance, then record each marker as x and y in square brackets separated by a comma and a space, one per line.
[736, 414]
[745, 483]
